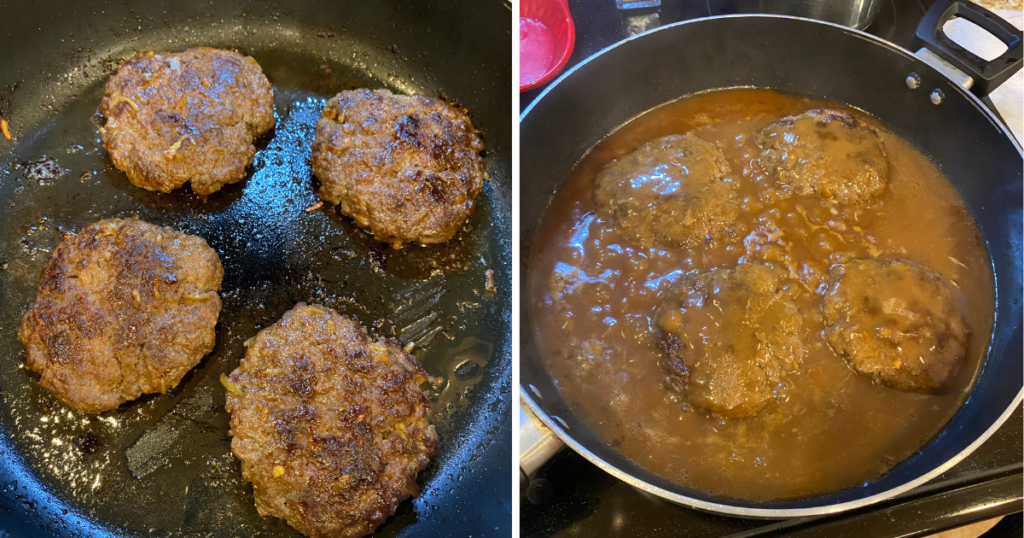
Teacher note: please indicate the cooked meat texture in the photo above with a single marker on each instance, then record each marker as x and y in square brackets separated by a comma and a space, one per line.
[896, 322]
[671, 190]
[192, 116]
[828, 152]
[330, 425]
[125, 308]
[728, 336]
[564, 281]
[408, 168]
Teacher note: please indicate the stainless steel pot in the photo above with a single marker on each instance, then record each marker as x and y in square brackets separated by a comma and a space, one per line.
[853, 13]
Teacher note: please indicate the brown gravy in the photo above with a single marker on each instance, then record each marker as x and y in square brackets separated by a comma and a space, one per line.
[827, 427]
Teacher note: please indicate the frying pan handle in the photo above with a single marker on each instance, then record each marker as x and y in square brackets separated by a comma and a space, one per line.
[536, 446]
[986, 75]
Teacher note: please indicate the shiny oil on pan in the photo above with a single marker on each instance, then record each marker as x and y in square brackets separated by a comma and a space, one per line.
[162, 464]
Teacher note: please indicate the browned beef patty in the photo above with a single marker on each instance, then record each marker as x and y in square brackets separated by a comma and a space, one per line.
[671, 190]
[125, 308]
[330, 425]
[192, 116]
[408, 168]
[828, 152]
[729, 335]
[896, 322]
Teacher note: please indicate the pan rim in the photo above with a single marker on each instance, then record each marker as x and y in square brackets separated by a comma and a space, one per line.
[761, 513]
[774, 513]
[975, 100]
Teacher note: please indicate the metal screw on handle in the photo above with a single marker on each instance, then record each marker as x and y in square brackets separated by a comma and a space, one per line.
[913, 81]
[937, 96]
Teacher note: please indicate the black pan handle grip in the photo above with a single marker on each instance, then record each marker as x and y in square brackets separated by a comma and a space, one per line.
[987, 75]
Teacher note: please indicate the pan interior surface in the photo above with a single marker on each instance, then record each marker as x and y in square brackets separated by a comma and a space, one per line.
[162, 464]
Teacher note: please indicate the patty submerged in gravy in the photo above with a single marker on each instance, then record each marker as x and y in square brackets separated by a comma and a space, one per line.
[827, 152]
[406, 167]
[729, 335]
[896, 322]
[611, 315]
[125, 308]
[174, 118]
[329, 424]
[672, 190]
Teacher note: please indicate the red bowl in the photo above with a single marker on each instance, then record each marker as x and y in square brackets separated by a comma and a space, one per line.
[554, 14]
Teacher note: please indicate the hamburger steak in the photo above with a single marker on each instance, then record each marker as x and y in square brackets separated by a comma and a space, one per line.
[671, 190]
[192, 116]
[329, 424]
[125, 308]
[896, 322]
[729, 335]
[828, 152]
[408, 168]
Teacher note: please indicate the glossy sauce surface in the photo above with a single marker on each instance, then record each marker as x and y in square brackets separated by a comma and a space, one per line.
[826, 428]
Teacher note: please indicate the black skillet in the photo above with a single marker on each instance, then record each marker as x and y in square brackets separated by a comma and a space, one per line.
[972, 147]
[163, 462]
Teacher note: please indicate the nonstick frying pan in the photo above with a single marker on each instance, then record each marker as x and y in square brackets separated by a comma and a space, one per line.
[921, 103]
[162, 465]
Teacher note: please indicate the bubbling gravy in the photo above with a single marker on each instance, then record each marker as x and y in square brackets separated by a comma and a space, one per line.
[826, 427]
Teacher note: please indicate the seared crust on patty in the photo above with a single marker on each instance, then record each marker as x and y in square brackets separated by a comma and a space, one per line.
[192, 116]
[408, 168]
[124, 308]
[330, 425]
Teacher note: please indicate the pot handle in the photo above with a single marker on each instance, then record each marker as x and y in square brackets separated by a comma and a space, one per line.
[986, 75]
[537, 444]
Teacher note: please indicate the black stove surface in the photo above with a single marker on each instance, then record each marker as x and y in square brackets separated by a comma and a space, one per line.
[572, 497]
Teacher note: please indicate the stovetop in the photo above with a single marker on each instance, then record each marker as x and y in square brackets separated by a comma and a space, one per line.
[572, 497]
